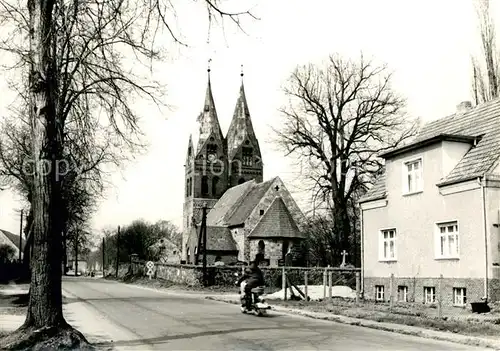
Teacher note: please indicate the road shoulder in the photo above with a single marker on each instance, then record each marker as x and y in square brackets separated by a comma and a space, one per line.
[391, 327]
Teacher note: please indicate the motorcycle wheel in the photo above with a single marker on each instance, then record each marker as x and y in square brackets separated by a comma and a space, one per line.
[243, 310]
[262, 313]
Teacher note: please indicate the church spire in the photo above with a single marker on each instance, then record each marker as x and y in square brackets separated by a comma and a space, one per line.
[241, 128]
[208, 121]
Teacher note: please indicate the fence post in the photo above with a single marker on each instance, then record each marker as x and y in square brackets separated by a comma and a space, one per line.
[391, 292]
[324, 283]
[358, 286]
[305, 286]
[283, 283]
[440, 297]
[330, 283]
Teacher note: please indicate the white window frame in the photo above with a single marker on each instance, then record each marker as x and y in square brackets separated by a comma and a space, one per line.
[418, 175]
[404, 290]
[459, 296]
[383, 241]
[444, 238]
[379, 293]
[429, 295]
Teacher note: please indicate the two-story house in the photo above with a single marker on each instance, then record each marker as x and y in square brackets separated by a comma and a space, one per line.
[435, 212]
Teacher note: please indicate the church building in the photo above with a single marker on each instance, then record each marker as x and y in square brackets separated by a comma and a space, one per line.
[225, 174]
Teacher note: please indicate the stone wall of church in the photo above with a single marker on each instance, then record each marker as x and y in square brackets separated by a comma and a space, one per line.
[239, 236]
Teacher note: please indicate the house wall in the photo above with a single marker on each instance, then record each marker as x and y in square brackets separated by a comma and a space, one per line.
[415, 216]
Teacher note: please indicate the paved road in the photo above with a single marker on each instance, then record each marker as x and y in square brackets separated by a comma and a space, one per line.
[162, 321]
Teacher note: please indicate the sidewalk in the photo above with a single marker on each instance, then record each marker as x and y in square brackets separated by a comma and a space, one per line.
[391, 327]
[82, 316]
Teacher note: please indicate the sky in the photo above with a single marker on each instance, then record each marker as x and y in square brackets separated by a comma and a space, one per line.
[426, 43]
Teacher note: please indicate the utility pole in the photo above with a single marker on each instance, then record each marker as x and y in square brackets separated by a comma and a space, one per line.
[204, 232]
[76, 253]
[117, 250]
[21, 237]
[103, 249]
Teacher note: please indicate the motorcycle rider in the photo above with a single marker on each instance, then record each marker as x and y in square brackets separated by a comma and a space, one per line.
[254, 277]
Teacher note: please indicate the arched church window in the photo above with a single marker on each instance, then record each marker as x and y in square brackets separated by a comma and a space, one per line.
[204, 185]
[190, 151]
[215, 181]
[247, 156]
[190, 186]
[236, 168]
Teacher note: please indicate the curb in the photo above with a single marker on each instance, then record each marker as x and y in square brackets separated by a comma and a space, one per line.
[390, 327]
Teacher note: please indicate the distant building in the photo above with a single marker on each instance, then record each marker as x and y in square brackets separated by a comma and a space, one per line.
[225, 174]
[12, 240]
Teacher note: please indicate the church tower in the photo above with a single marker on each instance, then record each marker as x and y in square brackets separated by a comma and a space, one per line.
[205, 168]
[243, 149]
[218, 163]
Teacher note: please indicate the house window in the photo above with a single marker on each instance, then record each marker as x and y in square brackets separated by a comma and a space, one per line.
[403, 293]
[447, 240]
[413, 181]
[247, 156]
[459, 296]
[379, 293]
[429, 294]
[261, 212]
[204, 185]
[388, 245]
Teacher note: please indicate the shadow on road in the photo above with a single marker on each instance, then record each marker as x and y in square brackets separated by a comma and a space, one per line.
[162, 339]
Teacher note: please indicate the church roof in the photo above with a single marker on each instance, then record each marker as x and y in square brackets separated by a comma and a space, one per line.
[235, 206]
[220, 239]
[208, 120]
[241, 127]
[277, 222]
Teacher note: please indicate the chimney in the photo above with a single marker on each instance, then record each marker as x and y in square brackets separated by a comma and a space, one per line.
[464, 106]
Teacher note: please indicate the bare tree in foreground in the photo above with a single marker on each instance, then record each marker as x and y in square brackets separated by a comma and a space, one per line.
[75, 58]
[340, 116]
[485, 71]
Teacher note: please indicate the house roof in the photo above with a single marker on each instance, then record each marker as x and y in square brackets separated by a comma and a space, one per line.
[237, 203]
[13, 238]
[481, 123]
[419, 143]
[277, 222]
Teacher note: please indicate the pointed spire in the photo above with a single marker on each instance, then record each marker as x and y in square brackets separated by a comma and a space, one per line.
[241, 128]
[208, 121]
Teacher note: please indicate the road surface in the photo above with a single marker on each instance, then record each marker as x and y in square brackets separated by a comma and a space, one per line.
[162, 321]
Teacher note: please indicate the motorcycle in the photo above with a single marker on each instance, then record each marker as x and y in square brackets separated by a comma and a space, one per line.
[254, 302]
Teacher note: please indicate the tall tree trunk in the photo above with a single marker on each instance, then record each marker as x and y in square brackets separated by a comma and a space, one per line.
[342, 225]
[45, 303]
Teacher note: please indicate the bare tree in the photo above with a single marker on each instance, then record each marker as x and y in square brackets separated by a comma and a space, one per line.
[485, 71]
[339, 117]
[76, 74]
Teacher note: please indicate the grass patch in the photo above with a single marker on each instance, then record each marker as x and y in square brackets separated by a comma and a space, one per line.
[414, 316]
